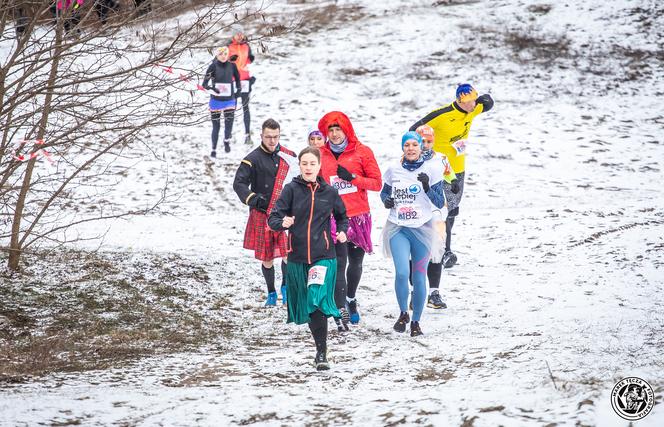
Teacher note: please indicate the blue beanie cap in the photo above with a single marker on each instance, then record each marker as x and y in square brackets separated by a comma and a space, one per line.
[465, 92]
[412, 135]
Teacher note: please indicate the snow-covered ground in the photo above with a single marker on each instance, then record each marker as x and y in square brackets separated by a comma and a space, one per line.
[559, 290]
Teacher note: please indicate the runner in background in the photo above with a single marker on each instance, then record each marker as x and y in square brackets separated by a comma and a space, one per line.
[241, 55]
[351, 168]
[435, 267]
[258, 183]
[223, 80]
[451, 125]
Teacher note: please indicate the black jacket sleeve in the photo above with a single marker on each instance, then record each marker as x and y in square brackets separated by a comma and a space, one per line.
[339, 213]
[242, 181]
[486, 101]
[432, 115]
[209, 74]
[281, 209]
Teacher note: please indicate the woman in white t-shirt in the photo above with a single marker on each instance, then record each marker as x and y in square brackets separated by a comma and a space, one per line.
[410, 188]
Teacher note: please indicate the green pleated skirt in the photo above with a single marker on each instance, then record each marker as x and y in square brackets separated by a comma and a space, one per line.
[311, 288]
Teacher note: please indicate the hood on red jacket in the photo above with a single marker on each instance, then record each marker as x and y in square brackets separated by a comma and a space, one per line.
[338, 118]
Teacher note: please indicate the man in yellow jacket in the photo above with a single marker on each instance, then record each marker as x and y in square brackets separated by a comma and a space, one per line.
[451, 125]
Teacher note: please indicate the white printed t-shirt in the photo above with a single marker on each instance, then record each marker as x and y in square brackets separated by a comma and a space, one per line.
[412, 207]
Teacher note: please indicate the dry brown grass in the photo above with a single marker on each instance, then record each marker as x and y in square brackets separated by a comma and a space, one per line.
[99, 316]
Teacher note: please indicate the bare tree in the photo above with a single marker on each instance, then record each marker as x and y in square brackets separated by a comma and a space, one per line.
[76, 95]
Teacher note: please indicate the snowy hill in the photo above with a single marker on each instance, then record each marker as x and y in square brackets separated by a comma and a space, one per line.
[559, 292]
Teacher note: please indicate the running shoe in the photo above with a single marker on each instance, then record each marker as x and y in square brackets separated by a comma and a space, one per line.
[284, 295]
[354, 314]
[435, 301]
[415, 330]
[271, 299]
[404, 318]
[321, 361]
[449, 259]
[345, 318]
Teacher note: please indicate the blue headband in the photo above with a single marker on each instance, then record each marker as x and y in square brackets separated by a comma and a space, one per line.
[414, 136]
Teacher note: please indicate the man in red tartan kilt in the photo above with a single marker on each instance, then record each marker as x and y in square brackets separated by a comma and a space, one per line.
[258, 183]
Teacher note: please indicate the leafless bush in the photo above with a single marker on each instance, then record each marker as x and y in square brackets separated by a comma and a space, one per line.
[82, 95]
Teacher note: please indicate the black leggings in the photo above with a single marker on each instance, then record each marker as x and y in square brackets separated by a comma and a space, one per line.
[245, 110]
[318, 327]
[434, 271]
[449, 223]
[229, 115]
[348, 279]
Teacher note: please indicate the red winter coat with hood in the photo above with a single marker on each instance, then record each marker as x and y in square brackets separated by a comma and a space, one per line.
[357, 158]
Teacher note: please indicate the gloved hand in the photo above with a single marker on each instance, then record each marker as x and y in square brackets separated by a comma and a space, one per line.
[252, 80]
[482, 99]
[214, 89]
[455, 187]
[389, 203]
[424, 179]
[259, 201]
[343, 173]
[238, 93]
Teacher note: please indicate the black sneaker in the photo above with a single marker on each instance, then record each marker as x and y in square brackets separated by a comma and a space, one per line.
[340, 327]
[404, 318]
[321, 361]
[247, 139]
[345, 318]
[354, 314]
[213, 154]
[435, 301]
[227, 145]
[449, 259]
[415, 330]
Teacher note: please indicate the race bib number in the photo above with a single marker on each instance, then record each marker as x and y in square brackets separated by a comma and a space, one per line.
[244, 86]
[460, 146]
[447, 169]
[223, 88]
[316, 275]
[408, 213]
[342, 186]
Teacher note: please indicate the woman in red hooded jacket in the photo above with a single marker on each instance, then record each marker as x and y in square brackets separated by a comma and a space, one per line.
[351, 168]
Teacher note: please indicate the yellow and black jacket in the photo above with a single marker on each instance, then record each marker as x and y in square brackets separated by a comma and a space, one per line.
[451, 124]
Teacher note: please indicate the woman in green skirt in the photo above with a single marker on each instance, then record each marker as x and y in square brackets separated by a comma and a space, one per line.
[304, 209]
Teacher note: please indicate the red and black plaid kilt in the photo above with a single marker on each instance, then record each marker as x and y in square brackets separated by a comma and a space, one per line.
[266, 243]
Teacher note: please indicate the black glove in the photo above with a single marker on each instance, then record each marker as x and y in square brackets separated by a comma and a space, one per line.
[343, 173]
[389, 203]
[238, 93]
[486, 101]
[232, 58]
[424, 179]
[214, 89]
[455, 187]
[252, 80]
[259, 201]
